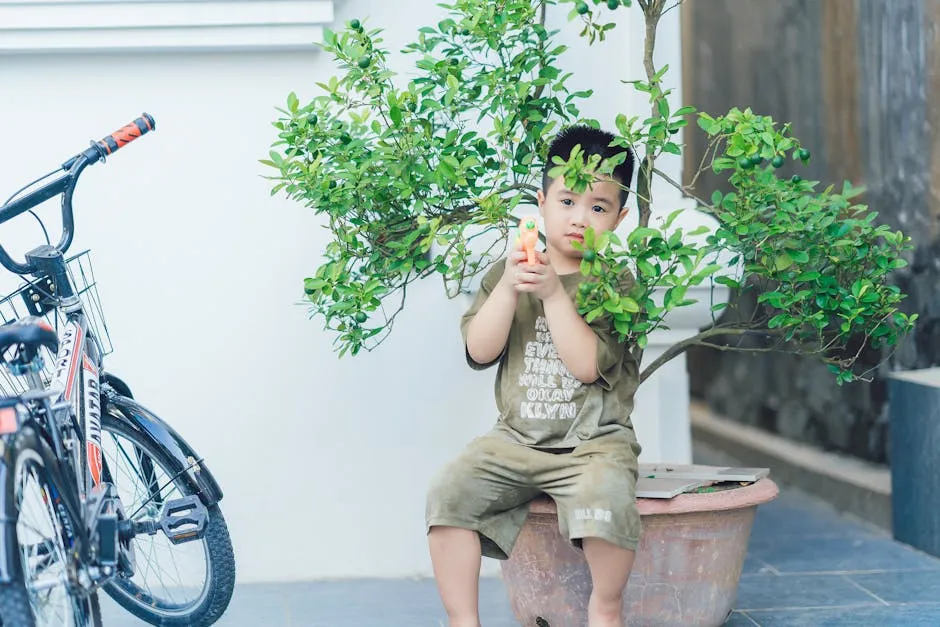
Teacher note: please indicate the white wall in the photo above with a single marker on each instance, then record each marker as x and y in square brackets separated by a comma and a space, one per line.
[324, 461]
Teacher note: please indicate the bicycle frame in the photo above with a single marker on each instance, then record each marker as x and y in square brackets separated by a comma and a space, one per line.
[81, 387]
[77, 379]
[74, 391]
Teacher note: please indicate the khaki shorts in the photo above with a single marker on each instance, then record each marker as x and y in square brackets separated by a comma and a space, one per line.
[488, 487]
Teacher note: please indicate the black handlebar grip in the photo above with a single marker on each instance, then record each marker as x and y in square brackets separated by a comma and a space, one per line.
[128, 133]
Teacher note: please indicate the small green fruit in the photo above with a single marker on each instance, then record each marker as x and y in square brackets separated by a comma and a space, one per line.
[355, 24]
[613, 4]
[589, 255]
[745, 163]
[756, 159]
[778, 161]
[365, 61]
[454, 61]
[804, 154]
[583, 8]
[361, 317]
[796, 178]
[465, 32]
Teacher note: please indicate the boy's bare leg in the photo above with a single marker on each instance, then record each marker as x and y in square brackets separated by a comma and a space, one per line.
[610, 569]
[456, 558]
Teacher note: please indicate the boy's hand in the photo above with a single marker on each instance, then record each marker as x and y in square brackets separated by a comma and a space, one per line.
[510, 278]
[539, 279]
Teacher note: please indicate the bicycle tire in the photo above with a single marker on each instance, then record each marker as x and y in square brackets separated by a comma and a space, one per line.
[15, 609]
[217, 543]
[14, 606]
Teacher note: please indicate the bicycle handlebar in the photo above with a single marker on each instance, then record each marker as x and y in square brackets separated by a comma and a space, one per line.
[65, 185]
[115, 141]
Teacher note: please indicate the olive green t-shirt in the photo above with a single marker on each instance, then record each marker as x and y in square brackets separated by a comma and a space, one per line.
[539, 402]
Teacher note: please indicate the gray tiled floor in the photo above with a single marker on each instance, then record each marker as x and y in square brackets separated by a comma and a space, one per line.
[806, 565]
[809, 566]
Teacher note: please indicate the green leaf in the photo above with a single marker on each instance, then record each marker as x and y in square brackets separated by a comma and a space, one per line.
[628, 304]
[639, 233]
[663, 107]
[799, 256]
[594, 314]
[645, 267]
[782, 262]
[727, 281]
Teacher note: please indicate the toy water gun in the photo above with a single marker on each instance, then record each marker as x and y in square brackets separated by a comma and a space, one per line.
[529, 237]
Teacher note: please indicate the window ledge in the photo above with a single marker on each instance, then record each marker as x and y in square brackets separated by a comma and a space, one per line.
[60, 26]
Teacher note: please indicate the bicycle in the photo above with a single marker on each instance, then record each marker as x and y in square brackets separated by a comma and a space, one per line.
[72, 437]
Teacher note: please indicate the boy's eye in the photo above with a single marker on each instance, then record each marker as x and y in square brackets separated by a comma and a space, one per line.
[599, 208]
[567, 201]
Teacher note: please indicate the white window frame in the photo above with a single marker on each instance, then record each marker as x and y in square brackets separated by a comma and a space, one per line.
[63, 26]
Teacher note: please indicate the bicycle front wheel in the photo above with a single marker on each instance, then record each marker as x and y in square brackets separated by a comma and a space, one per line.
[49, 593]
[173, 584]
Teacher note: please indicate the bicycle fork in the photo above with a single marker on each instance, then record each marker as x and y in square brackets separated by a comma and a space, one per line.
[111, 530]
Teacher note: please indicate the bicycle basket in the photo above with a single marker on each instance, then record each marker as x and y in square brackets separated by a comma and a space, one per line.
[30, 300]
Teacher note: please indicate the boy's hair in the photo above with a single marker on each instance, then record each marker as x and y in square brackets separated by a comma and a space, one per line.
[593, 142]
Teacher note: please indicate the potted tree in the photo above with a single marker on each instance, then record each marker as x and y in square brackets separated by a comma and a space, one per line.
[429, 177]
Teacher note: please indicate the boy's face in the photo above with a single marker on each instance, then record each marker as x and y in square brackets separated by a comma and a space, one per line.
[567, 215]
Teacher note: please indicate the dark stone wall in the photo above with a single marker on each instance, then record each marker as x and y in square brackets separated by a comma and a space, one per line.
[860, 82]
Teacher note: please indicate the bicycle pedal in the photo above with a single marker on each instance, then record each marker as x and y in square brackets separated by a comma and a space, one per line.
[184, 519]
[108, 544]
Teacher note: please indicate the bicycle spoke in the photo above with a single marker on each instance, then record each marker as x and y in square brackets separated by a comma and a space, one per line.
[141, 483]
[124, 454]
[158, 570]
[43, 556]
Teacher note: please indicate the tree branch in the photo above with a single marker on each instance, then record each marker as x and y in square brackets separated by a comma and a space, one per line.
[679, 347]
[652, 11]
[542, 10]
[679, 187]
[675, 6]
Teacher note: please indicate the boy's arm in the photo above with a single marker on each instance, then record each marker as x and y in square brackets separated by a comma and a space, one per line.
[586, 351]
[485, 326]
[574, 339]
[489, 329]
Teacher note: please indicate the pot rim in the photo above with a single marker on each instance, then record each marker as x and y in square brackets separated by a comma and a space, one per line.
[762, 491]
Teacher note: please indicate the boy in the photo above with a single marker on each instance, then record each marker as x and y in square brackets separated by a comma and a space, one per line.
[564, 391]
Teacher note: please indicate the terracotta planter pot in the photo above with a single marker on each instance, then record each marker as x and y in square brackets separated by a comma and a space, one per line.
[686, 572]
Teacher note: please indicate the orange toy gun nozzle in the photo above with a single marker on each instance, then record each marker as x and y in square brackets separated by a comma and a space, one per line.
[528, 238]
